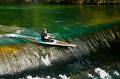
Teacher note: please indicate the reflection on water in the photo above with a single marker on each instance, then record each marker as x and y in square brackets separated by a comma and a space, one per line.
[37, 15]
[63, 20]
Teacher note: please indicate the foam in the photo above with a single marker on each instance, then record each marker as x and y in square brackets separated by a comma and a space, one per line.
[48, 77]
[46, 60]
[102, 73]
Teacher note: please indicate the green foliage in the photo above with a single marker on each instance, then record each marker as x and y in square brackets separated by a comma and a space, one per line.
[61, 1]
[55, 1]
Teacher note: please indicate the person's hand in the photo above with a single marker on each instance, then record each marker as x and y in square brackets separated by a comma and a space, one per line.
[49, 35]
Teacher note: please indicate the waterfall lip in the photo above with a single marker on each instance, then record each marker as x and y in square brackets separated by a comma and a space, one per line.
[64, 54]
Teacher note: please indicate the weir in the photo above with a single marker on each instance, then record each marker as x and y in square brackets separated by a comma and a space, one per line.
[21, 57]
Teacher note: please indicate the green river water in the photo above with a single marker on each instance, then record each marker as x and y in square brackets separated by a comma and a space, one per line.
[63, 20]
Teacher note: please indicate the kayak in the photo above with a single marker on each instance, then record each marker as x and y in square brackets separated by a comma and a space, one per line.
[56, 43]
[38, 40]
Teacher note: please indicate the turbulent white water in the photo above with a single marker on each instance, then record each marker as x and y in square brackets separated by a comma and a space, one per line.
[102, 74]
[91, 76]
[64, 77]
[116, 73]
[20, 31]
[48, 77]
[46, 60]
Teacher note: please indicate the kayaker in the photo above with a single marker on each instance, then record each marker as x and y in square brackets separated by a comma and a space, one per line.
[45, 37]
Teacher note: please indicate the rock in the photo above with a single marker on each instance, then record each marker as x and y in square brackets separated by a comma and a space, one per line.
[20, 57]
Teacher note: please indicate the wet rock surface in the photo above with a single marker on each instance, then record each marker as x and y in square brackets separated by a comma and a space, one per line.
[21, 57]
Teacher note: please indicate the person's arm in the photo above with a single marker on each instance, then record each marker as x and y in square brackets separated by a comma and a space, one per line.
[50, 35]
